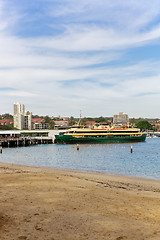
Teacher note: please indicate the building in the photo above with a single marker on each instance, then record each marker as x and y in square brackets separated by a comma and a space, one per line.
[61, 123]
[18, 108]
[120, 118]
[90, 124]
[22, 119]
[28, 120]
[104, 124]
[38, 123]
[6, 122]
[18, 115]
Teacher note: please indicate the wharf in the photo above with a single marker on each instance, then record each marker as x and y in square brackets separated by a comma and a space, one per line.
[24, 141]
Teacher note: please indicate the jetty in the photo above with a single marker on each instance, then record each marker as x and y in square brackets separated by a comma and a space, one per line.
[26, 138]
[152, 134]
[24, 141]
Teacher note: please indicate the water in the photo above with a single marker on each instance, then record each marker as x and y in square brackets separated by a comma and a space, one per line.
[106, 158]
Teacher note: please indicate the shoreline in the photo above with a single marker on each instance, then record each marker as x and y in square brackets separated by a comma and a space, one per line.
[54, 204]
[61, 170]
[133, 165]
[137, 183]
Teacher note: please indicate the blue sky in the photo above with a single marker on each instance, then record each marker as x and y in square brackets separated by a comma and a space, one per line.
[98, 56]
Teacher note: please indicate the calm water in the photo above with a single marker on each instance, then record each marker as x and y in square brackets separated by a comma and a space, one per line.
[111, 158]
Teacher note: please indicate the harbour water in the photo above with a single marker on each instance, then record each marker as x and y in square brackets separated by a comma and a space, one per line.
[106, 158]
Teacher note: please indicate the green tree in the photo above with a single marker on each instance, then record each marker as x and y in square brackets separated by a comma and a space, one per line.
[132, 120]
[101, 119]
[144, 125]
[72, 121]
[36, 116]
[52, 124]
[6, 127]
[47, 119]
[7, 116]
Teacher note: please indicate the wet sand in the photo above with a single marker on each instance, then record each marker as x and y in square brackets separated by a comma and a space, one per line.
[53, 204]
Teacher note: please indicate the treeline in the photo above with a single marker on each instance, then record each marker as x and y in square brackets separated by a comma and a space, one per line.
[47, 119]
[97, 119]
[136, 120]
[142, 123]
[6, 127]
[6, 116]
[145, 125]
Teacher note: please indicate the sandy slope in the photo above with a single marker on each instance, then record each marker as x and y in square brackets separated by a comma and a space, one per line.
[52, 204]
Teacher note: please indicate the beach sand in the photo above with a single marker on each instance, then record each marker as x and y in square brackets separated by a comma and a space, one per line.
[53, 204]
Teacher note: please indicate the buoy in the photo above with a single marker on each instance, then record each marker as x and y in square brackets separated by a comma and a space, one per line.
[77, 147]
[131, 149]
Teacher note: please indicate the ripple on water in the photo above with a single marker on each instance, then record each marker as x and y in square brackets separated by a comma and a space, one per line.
[107, 158]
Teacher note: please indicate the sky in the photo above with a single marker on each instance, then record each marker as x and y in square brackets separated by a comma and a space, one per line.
[97, 57]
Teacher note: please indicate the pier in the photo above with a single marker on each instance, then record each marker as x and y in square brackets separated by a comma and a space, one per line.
[24, 141]
[152, 134]
[25, 138]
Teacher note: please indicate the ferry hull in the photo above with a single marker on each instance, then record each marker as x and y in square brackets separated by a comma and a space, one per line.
[69, 139]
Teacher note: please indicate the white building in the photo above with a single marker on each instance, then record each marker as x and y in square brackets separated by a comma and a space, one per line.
[28, 120]
[19, 108]
[22, 119]
[120, 118]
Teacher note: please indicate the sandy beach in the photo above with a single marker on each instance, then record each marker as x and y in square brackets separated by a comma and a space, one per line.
[53, 204]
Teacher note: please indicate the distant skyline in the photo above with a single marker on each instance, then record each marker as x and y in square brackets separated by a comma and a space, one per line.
[98, 56]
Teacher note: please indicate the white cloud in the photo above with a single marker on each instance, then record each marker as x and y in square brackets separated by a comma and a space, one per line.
[77, 62]
[19, 94]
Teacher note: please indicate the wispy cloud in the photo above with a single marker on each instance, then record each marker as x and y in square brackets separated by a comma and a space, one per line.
[55, 51]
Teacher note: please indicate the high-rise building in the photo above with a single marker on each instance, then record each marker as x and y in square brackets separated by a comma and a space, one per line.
[120, 118]
[22, 119]
[28, 120]
[19, 108]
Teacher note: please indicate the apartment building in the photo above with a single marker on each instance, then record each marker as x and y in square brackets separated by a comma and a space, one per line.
[38, 123]
[120, 118]
[22, 119]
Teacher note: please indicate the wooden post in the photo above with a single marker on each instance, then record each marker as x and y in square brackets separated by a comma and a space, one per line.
[0, 149]
[24, 142]
[131, 149]
[77, 147]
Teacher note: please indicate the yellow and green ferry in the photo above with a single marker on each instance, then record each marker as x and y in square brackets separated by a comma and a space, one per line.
[102, 135]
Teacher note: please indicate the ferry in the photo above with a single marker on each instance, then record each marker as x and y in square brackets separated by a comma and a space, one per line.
[100, 135]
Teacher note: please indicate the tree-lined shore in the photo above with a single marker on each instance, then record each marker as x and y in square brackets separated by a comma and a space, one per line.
[142, 123]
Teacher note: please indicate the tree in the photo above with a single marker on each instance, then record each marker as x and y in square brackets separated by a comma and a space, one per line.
[132, 120]
[101, 119]
[144, 125]
[52, 124]
[36, 116]
[72, 121]
[7, 116]
[47, 119]
[6, 127]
